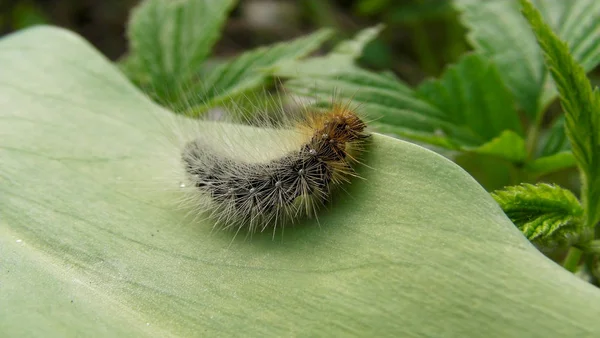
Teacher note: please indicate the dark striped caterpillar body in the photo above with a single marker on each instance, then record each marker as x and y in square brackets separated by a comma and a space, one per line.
[270, 194]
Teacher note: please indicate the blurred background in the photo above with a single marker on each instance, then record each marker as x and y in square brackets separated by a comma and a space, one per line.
[420, 38]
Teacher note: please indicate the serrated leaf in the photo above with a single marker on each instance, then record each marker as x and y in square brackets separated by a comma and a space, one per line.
[170, 40]
[247, 71]
[582, 109]
[353, 48]
[546, 214]
[471, 94]
[498, 31]
[91, 246]
[340, 59]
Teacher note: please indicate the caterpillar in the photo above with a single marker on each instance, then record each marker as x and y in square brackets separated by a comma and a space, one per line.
[269, 193]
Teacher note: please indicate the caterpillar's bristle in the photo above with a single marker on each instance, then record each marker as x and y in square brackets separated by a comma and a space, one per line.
[269, 194]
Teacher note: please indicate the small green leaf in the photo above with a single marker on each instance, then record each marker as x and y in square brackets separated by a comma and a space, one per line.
[172, 38]
[507, 145]
[546, 214]
[340, 59]
[582, 109]
[354, 47]
[471, 94]
[246, 71]
[547, 164]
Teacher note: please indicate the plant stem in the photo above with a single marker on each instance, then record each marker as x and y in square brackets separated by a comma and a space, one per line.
[571, 262]
[590, 262]
[534, 132]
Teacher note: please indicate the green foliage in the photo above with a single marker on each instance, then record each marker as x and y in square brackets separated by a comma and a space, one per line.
[547, 215]
[498, 30]
[471, 94]
[341, 58]
[392, 105]
[247, 71]
[582, 109]
[170, 39]
[92, 244]
[170, 42]
[465, 109]
[429, 29]
[25, 14]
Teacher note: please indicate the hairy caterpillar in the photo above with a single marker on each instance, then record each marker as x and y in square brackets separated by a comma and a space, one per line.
[249, 179]
[268, 194]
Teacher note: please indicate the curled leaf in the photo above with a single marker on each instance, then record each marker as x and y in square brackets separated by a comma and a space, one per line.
[548, 215]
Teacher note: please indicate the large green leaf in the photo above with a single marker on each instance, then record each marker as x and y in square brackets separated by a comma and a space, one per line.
[89, 248]
[498, 30]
